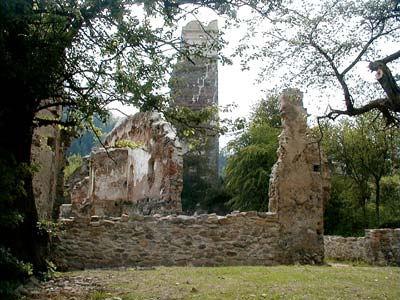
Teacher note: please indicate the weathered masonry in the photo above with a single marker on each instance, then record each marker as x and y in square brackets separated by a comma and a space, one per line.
[141, 172]
[47, 153]
[379, 246]
[290, 233]
[194, 85]
[299, 185]
[205, 240]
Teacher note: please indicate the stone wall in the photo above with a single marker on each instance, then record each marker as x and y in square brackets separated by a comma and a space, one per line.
[142, 174]
[194, 82]
[205, 240]
[379, 246]
[344, 248]
[299, 185]
[47, 153]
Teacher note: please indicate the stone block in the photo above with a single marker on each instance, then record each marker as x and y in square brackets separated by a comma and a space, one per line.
[65, 211]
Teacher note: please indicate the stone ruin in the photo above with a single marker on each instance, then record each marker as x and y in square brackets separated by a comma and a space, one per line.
[299, 185]
[194, 85]
[148, 179]
[378, 246]
[48, 154]
[140, 171]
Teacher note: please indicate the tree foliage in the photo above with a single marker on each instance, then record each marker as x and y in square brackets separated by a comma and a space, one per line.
[253, 154]
[322, 45]
[364, 154]
[73, 163]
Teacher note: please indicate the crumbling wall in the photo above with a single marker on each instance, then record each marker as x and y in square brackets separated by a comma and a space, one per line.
[47, 154]
[299, 185]
[379, 247]
[141, 171]
[292, 232]
[344, 248]
[206, 240]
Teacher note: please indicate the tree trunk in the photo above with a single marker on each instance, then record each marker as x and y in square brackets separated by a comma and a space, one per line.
[25, 241]
[21, 86]
[377, 199]
[365, 221]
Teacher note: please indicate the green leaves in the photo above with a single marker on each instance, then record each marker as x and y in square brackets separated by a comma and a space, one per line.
[127, 144]
[247, 176]
[12, 186]
[363, 152]
[74, 162]
[252, 155]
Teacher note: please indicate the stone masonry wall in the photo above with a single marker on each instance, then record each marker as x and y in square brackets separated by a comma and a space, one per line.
[379, 246]
[344, 248]
[299, 185]
[205, 240]
[47, 154]
[194, 85]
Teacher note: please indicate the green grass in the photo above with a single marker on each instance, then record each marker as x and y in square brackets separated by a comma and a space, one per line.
[282, 282]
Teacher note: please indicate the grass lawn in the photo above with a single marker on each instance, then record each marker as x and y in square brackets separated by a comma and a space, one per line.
[339, 281]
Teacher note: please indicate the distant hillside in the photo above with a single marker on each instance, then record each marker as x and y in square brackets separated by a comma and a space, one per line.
[84, 144]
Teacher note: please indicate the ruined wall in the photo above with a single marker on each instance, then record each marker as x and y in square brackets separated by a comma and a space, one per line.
[344, 248]
[205, 240]
[291, 233]
[47, 154]
[379, 246]
[299, 185]
[145, 177]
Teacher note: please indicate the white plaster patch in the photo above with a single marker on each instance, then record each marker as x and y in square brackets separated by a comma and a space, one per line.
[170, 132]
[140, 161]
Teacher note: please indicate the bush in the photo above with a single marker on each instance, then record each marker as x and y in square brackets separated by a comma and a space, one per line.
[390, 224]
[12, 273]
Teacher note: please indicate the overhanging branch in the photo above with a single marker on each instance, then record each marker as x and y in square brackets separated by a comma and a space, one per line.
[378, 104]
[390, 57]
[45, 122]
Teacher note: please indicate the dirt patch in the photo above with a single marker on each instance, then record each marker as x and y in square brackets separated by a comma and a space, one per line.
[62, 287]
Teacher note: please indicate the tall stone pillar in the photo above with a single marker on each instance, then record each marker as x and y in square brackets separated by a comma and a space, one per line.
[299, 186]
[48, 154]
[194, 85]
